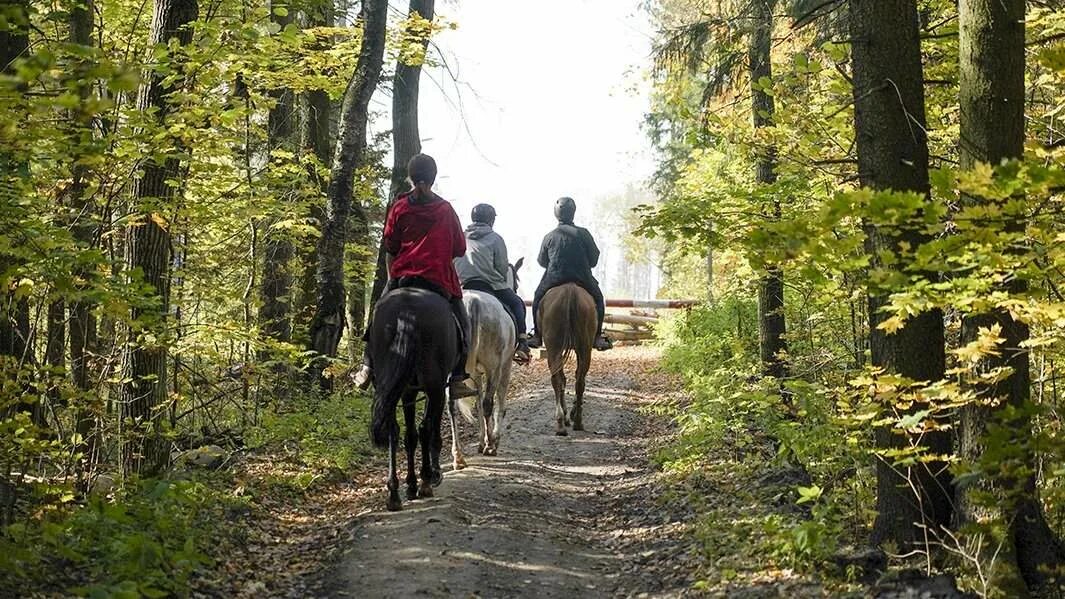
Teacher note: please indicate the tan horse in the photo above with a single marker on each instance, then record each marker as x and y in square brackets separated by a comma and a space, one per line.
[567, 322]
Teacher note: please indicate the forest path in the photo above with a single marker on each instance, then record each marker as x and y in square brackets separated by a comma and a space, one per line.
[573, 516]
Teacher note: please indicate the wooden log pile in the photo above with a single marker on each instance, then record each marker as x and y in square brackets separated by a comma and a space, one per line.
[633, 328]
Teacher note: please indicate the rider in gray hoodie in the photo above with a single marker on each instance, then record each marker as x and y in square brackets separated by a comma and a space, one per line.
[485, 268]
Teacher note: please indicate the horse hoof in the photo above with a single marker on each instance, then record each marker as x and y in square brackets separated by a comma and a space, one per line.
[436, 478]
[394, 503]
[412, 492]
[561, 432]
[489, 451]
[425, 490]
[460, 464]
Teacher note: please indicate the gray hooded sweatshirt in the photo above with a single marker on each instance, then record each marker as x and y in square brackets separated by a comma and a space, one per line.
[485, 259]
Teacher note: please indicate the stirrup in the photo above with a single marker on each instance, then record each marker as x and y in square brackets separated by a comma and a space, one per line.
[534, 340]
[462, 388]
[603, 343]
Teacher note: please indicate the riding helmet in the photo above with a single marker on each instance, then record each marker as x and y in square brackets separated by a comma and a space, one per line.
[565, 208]
[483, 213]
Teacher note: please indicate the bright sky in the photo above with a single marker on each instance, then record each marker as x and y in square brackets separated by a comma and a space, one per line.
[543, 99]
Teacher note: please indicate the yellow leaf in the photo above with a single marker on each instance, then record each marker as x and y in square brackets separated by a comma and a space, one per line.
[891, 325]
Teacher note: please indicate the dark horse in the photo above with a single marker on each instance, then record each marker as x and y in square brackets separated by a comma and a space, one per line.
[568, 323]
[414, 346]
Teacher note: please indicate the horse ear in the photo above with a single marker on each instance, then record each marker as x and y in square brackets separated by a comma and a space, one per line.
[517, 265]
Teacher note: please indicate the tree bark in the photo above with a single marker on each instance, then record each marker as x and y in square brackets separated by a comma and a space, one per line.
[56, 346]
[16, 350]
[893, 155]
[144, 392]
[275, 315]
[406, 139]
[14, 42]
[992, 66]
[771, 323]
[316, 116]
[82, 321]
[327, 325]
[358, 248]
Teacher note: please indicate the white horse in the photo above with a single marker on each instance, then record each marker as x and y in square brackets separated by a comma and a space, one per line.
[492, 343]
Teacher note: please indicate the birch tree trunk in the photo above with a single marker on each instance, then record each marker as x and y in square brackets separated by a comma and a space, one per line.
[406, 139]
[328, 323]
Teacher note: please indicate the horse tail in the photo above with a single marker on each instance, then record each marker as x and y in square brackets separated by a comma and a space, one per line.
[475, 312]
[566, 330]
[391, 379]
[466, 405]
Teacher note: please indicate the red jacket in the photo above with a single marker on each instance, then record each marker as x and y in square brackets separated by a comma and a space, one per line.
[423, 240]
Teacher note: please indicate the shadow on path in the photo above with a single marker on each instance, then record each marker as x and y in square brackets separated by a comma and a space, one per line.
[528, 523]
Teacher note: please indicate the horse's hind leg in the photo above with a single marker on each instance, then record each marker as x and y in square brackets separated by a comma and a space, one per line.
[394, 503]
[431, 442]
[488, 441]
[577, 415]
[500, 407]
[456, 446]
[558, 382]
[410, 430]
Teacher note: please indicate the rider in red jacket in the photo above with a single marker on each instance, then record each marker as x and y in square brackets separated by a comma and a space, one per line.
[421, 238]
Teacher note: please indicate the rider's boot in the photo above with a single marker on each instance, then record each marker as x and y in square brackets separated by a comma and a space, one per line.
[602, 343]
[534, 340]
[460, 387]
[364, 377]
[521, 354]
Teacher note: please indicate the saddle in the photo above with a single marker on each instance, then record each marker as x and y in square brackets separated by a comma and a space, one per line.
[480, 285]
[427, 285]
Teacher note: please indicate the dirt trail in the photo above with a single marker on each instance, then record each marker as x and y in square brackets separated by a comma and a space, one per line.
[550, 516]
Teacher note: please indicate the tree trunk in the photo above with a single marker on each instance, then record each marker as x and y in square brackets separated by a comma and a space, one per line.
[992, 61]
[406, 139]
[709, 274]
[275, 315]
[15, 335]
[316, 117]
[893, 154]
[56, 346]
[329, 318]
[82, 321]
[144, 392]
[14, 42]
[771, 325]
[357, 251]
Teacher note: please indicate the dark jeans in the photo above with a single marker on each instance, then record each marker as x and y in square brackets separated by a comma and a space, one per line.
[457, 308]
[511, 301]
[593, 289]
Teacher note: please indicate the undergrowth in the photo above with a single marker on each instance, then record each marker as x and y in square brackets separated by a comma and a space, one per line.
[150, 538]
[779, 490]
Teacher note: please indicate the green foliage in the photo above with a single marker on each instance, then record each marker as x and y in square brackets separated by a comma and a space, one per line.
[984, 241]
[145, 542]
[737, 451]
[330, 435]
[74, 140]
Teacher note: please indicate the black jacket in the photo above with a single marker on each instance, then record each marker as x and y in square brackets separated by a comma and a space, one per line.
[568, 254]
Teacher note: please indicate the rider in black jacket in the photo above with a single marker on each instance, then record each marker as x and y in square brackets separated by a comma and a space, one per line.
[568, 254]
